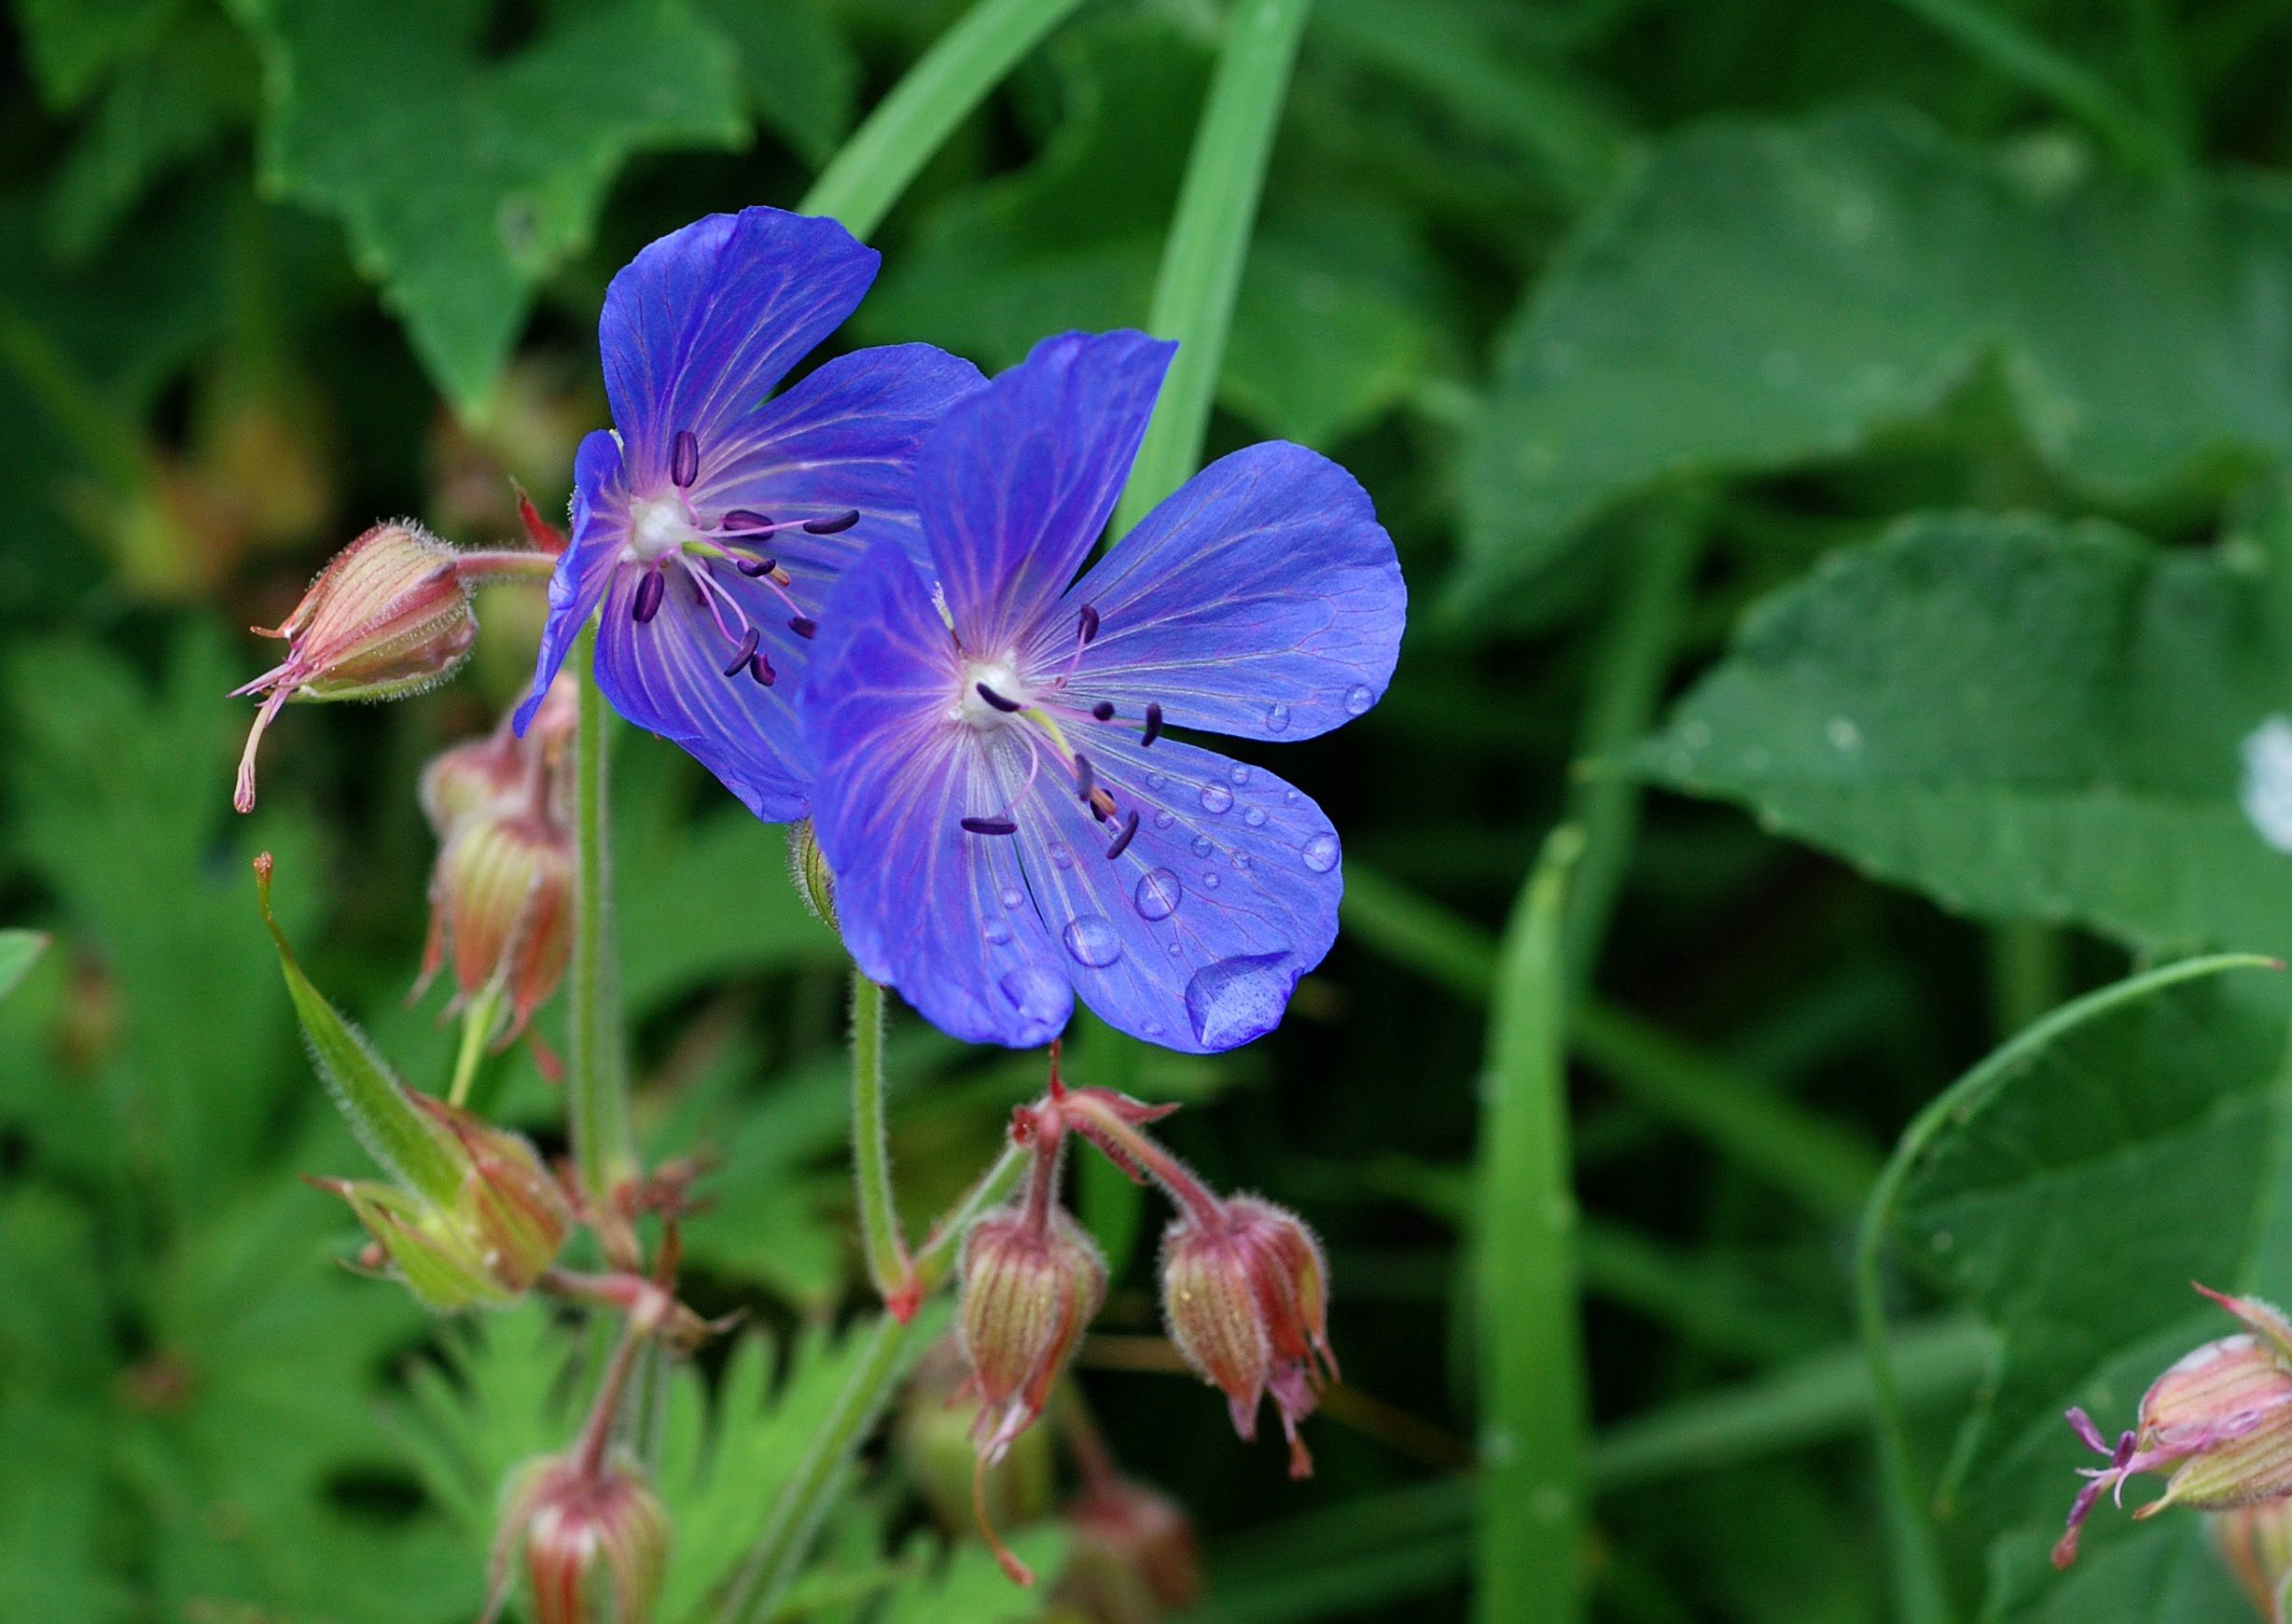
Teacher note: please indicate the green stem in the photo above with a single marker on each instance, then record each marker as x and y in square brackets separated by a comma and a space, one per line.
[477, 1019]
[804, 1498]
[1532, 1393]
[2029, 971]
[1922, 1595]
[596, 1069]
[1627, 685]
[885, 1248]
[886, 152]
[1209, 240]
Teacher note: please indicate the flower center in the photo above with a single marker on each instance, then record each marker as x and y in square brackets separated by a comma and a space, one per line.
[657, 527]
[990, 693]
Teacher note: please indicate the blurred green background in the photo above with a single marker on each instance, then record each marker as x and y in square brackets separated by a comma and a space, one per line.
[1955, 334]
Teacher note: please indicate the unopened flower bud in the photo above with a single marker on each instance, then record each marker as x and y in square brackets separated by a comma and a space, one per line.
[389, 615]
[596, 1543]
[1246, 1295]
[478, 775]
[2220, 1418]
[2256, 1543]
[1133, 1558]
[490, 1242]
[1031, 1283]
[501, 898]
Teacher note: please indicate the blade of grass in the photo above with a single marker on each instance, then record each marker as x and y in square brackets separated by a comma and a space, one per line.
[1529, 1556]
[1922, 1596]
[888, 150]
[1209, 240]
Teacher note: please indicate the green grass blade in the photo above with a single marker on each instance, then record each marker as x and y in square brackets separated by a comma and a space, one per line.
[1529, 1562]
[1209, 240]
[865, 179]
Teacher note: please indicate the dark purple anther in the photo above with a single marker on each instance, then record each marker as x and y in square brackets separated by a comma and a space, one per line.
[648, 594]
[996, 700]
[752, 567]
[684, 458]
[1122, 841]
[1084, 778]
[803, 625]
[746, 518]
[991, 825]
[762, 669]
[1090, 623]
[1104, 709]
[747, 652]
[843, 522]
[1153, 727]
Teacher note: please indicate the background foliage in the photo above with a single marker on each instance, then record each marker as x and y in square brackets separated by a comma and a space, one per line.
[1871, 418]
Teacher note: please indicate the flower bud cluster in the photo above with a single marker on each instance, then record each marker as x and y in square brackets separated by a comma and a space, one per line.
[501, 894]
[2220, 1421]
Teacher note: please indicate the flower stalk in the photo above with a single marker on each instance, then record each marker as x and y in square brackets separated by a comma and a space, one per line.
[889, 1267]
[596, 1077]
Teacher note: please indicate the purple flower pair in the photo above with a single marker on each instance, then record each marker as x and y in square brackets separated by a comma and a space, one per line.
[979, 739]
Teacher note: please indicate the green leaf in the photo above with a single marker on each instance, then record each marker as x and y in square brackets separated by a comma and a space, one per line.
[20, 950]
[72, 44]
[2021, 719]
[1761, 296]
[970, 1589]
[463, 182]
[2070, 1188]
[801, 72]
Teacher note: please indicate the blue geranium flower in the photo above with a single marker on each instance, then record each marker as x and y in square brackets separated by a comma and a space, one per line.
[1009, 822]
[711, 524]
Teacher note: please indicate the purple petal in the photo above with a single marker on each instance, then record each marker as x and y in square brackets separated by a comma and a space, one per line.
[584, 569]
[1018, 480]
[940, 914]
[667, 676]
[2082, 1424]
[1263, 599]
[845, 438]
[700, 325]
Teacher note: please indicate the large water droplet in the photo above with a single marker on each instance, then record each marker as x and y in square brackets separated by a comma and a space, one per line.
[1164, 818]
[1320, 852]
[1358, 699]
[1254, 817]
[1092, 941]
[1237, 999]
[1277, 719]
[1035, 994]
[1157, 894]
[1215, 798]
[998, 933]
[1240, 775]
[1012, 896]
[1202, 846]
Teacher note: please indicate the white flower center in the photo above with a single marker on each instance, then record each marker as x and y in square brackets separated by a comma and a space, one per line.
[1002, 676]
[657, 527]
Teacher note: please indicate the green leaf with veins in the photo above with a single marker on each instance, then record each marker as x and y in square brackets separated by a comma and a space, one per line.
[2022, 719]
[462, 182]
[2072, 1188]
[1761, 296]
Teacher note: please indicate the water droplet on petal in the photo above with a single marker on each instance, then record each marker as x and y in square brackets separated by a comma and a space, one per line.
[1240, 861]
[1289, 798]
[1320, 852]
[1240, 775]
[1158, 894]
[1164, 818]
[998, 933]
[1012, 896]
[1061, 857]
[1035, 994]
[1277, 719]
[1202, 845]
[1254, 817]
[1237, 999]
[1215, 798]
[1158, 781]
[1358, 699]
[1092, 941]
[1209, 879]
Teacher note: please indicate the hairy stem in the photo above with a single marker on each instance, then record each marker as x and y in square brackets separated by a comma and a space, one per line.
[885, 1248]
[596, 1069]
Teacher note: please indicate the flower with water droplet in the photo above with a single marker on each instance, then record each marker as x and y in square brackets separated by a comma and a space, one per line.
[2220, 1420]
[986, 723]
[710, 524]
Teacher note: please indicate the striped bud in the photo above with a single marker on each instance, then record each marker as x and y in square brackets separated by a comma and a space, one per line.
[501, 899]
[1030, 1286]
[596, 1542]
